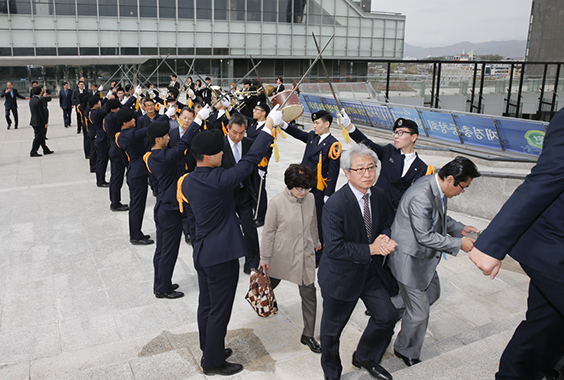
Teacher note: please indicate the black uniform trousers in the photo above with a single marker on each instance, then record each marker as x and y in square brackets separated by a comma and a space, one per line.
[102, 151]
[93, 155]
[538, 342]
[169, 232]
[263, 201]
[38, 139]
[377, 334]
[218, 284]
[244, 208]
[138, 189]
[79, 125]
[319, 203]
[86, 146]
[117, 170]
[14, 110]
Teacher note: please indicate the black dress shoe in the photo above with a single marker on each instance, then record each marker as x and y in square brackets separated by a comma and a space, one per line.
[330, 378]
[375, 369]
[8, 127]
[120, 208]
[187, 238]
[16, 127]
[172, 295]
[46, 138]
[146, 236]
[142, 242]
[35, 154]
[174, 287]
[367, 312]
[311, 343]
[408, 361]
[104, 184]
[227, 369]
[228, 353]
[92, 170]
[247, 270]
[46, 152]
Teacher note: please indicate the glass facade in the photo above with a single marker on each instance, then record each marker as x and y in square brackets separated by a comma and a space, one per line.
[212, 28]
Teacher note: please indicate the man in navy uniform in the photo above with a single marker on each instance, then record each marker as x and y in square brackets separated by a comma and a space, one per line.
[65, 102]
[98, 139]
[529, 228]
[11, 104]
[322, 151]
[117, 157]
[236, 146]
[38, 122]
[164, 163]
[218, 242]
[356, 227]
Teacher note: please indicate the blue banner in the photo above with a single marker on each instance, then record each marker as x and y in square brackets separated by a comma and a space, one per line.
[356, 112]
[380, 116]
[407, 113]
[478, 130]
[314, 103]
[521, 136]
[440, 125]
[307, 112]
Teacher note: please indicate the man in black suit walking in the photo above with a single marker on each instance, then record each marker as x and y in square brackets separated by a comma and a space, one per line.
[529, 228]
[356, 229]
[235, 146]
[11, 104]
[65, 102]
[38, 122]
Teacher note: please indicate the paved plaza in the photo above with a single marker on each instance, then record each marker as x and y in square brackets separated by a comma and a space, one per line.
[76, 297]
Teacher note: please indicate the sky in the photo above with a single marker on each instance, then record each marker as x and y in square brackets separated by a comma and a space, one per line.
[431, 23]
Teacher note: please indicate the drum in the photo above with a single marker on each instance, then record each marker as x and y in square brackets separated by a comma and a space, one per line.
[293, 108]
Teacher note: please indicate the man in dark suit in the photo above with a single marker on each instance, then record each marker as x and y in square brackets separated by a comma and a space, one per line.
[76, 102]
[38, 122]
[11, 104]
[279, 86]
[218, 242]
[65, 102]
[529, 229]
[424, 232]
[236, 146]
[174, 82]
[207, 92]
[321, 148]
[356, 228]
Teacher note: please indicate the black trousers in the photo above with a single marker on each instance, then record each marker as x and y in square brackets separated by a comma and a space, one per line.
[86, 144]
[263, 201]
[14, 110]
[93, 154]
[217, 284]
[538, 342]
[38, 139]
[376, 336]
[319, 204]
[67, 116]
[244, 208]
[79, 125]
[169, 232]
[138, 188]
[102, 151]
[117, 169]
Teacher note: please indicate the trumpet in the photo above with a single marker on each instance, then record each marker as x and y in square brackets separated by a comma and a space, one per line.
[247, 93]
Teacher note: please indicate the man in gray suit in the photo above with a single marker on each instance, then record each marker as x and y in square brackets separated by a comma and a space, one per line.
[421, 228]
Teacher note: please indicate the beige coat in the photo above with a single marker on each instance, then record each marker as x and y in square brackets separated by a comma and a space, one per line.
[289, 238]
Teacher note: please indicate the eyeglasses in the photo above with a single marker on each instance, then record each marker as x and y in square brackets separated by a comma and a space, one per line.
[302, 190]
[400, 133]
[458, 184]
[361, 171]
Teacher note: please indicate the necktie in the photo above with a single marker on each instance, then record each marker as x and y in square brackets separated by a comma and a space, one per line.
[366, 215]
[402, 163]
[236, 153]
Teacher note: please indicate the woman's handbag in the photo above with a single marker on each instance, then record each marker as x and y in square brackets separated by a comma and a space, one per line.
[260, 294]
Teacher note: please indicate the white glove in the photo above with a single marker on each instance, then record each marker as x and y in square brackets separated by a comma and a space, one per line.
[163, 94]
[225, 102]
[261, 173]
[191, 93]
[101, 88]
[276, 115]
[205, 112]
[344, 119]
[109, 93]
[138, 90]
[170, 111]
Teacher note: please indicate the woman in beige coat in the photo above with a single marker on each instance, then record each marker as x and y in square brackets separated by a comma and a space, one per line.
[289, 242]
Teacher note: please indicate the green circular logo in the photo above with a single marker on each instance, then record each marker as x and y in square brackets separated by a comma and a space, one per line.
[535, 138]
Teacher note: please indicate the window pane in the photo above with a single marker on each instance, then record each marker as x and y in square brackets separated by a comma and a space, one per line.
[204, 9]
[129, 51]
[45, 51]
[269, 11]
[149, 51]
[109, 51]
[220, 10]
[167, 8]
[253, 10]
[22, 7]
[86, 8]
[128, 8]
[107, 8]
[65, 7]
[148, 8]
[88, 51]
[186, 9]
[68, 51]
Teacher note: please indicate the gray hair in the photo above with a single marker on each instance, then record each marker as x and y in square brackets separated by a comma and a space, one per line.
[359, 150]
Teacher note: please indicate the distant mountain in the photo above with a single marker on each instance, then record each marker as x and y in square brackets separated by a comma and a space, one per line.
[509, 49]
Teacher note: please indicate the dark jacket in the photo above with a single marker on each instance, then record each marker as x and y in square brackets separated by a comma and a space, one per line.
[38, 114]
[10, 101]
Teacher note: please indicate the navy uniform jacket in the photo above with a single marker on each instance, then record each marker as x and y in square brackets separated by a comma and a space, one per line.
[253, 130]
[111, 127]
[10, 100]
[346, 254]
[65, 99]
[96, 129]
[145, 120]
[209, 191]
[218, 121]
[163, 164]
[228, 162]
[390, 179]
[38, 114]
[329, 167]
[132, 141]
[529, 225]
